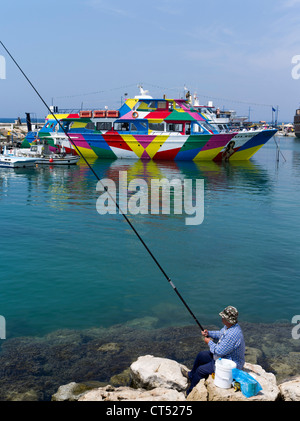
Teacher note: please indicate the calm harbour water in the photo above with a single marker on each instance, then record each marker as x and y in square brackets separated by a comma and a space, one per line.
[65, 266]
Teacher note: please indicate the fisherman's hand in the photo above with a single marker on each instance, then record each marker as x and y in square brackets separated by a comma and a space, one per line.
[206, 340]
[205, 332]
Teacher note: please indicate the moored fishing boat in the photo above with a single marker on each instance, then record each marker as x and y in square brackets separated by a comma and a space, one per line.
[44, 156]
[9, 159]
[148, 128]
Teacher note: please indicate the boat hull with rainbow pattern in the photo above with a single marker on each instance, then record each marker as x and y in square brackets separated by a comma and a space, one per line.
[157, 129]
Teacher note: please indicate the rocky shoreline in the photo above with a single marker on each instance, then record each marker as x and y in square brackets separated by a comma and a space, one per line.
[33, 367]
[161, 379]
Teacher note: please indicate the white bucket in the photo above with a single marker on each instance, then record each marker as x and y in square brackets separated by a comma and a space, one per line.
[223, 373]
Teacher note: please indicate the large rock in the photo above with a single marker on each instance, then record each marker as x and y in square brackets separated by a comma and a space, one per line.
[207, 390]
[150, 372]
[110, 393]
[290, 391]
[199, 392]
[72, 391]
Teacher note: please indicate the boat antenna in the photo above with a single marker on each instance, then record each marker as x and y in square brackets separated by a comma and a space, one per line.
[105, 188]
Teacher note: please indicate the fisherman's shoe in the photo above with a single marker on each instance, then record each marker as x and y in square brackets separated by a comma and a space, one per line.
[185, 373]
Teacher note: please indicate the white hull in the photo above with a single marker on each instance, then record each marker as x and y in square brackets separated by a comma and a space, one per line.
[42, 158]
[67, 160]
[16, 162]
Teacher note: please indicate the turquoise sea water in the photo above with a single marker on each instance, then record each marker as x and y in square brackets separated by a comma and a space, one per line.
[63, 265]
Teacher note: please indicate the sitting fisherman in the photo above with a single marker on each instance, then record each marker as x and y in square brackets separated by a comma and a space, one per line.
[230, 345]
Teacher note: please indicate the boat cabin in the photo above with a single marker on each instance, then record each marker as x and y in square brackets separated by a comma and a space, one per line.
[136, 117]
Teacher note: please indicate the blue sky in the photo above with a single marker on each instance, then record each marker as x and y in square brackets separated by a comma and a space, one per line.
[90, 52]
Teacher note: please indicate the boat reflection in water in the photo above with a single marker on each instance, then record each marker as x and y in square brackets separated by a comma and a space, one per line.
[216, 175]
[75, 186]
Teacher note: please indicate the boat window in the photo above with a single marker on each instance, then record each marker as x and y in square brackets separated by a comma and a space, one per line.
[152, 105]
[138, 126]
[162, 105]
[121, 127]
[141, 106]
[90, 126]
[207, 126]
[174, 127]
[160, 127]
[104, 125]
[197, 128]
[65, 125]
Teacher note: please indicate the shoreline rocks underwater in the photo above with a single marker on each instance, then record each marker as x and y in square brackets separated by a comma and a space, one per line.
[34, 368]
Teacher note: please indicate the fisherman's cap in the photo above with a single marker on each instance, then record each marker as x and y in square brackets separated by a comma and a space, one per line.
[230, 314]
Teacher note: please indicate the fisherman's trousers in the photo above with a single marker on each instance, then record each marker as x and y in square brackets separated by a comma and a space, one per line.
[204, 365]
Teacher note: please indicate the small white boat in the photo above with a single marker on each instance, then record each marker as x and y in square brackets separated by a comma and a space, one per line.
[10, 160]
[44, 156]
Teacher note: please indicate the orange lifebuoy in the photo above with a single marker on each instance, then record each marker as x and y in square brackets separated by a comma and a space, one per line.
[135, 114]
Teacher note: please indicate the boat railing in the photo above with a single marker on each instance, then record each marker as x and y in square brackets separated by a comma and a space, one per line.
[68, 110]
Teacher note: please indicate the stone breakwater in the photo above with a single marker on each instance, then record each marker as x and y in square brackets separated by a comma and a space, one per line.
[34, 367]
[12, 134]
[161, 379]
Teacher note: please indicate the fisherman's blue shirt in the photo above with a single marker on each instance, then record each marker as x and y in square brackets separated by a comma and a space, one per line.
[230, 345]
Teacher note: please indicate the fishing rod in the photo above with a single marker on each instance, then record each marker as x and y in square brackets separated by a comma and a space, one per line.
[105, 188]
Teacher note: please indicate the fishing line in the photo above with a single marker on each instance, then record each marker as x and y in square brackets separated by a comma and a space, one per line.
[98, 178]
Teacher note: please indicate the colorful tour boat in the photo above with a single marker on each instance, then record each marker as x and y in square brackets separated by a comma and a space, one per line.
[148, 128]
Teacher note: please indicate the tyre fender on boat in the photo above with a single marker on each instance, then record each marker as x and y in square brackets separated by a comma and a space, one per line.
[135, 114]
